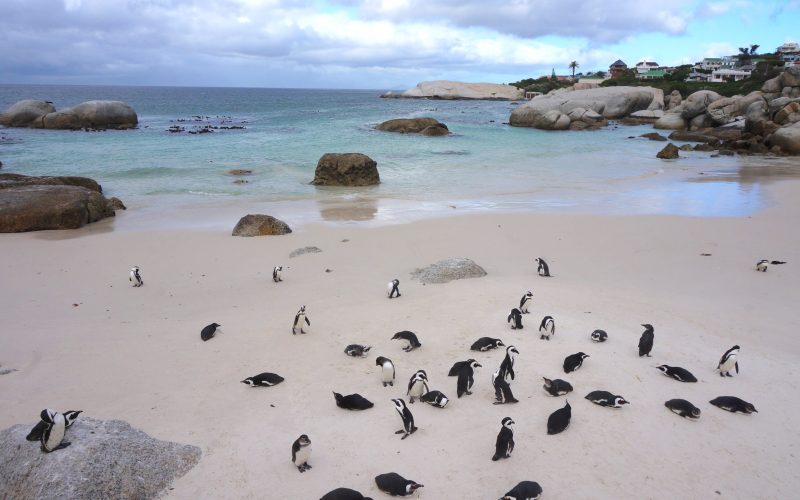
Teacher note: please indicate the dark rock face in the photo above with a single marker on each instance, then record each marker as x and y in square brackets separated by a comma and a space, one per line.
[260, 225]
[346, 169]
[107, 459]
[687, 136]
[424, 126]
[654, 136]
[670, 152]
[90, 114]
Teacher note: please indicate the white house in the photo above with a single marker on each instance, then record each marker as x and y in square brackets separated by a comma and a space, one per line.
[645, 66]
[725, 75]
[789, 52]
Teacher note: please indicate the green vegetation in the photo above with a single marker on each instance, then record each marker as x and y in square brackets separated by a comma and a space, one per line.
[543, 84]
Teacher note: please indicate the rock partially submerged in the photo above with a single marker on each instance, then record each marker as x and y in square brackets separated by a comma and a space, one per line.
[346, 169]
[107, 459]
[670, 152]
[448, 270]
[260, 225]
[89, 114]
[443, 89]
[424, 126]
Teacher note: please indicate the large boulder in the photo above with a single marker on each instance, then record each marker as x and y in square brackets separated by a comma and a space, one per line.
[448, 270]
[35, 208]
[772, 86]
[551, 120]
[106, 459]
[673, 100]
[698, 102]
[424, 126]
[670, 152]
[27, 113]
[443, 89]
[725, 110]
[90, 114]
[791, 76]
[346, 169]
[670, 121]
[14, 180]
[756, 113]
[260, 225]
[787, 138]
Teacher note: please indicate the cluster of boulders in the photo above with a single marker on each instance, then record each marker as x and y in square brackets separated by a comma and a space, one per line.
[93, 115]
[443, 89]
[424, 126]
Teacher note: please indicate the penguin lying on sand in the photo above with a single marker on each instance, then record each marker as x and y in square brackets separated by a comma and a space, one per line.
[265, 379]
[683, 408]
[357, 350]
[678, 373]
[410, 337]
[355, 402]
[344, 494]
[559, 420]
[607, 399]
[733, 404]
[524, 490]
[557, 387]
[435, 398]
[484, 344]
[209, 331]
[396, 485]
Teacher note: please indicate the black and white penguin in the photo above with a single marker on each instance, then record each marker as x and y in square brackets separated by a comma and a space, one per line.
[357, 350]
[607, 399]
[547, 327]
[417, 385]
[466, 377]
[344, 494]
[507, 366]
[209, 331]
[524, 490]
[71, 416]
[683, 408]
[409, 337]
[678, 373]
[301, 452]
[135, 277]
[457, 367]
[505, 440]
[558, 421]
[762, 265]
[574, 361]
[543, 269]
[265, 379]
[599, 336]
[435, 398]
[299, 319]
[733, 404]
[408, 419]
[396, 485]
[355, 402]
[36, 433]
[52, 437]
[515, 319]
[277, 272]
[484, 344]
[387, 370]
[502, 390]
[525, 302]
[646, 340]
[394, 288]
[728, 362]
[557, 387]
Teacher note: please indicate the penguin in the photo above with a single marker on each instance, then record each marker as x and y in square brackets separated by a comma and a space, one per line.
[646, 340]
[396, 485]
[344, 494]
[543, 269]
[607, 399]
[299, 319]
[558, 421]
[135, 277]
[683, 408]
[556, 387]
[505, 440]
[547, 327]
[524, 490]
[277, 271]
[728, 362]
[394, 288]
[408, 419]
[355, 402]
[457, 367]
[69, 418]
[357, 350]
[52, 437]
[599, 336]
[409, 337]
[417, 385]
[678, 373]
[265, 379]
[525, 302]
[387, 370]
[733, 404]
[574, 361]
[209, 331]
[301, 451]
[466, 378]
[502, 390]
[515, 319]
[484, 344]
[507, 366]
[762, 265]
[435, 398]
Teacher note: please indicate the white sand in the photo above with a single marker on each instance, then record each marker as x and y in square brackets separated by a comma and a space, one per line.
[135, 353]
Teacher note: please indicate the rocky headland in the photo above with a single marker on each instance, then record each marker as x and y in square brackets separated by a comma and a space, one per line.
[95, 115]
[444, 89]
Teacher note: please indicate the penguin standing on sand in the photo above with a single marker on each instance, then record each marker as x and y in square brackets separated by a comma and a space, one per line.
[209, 331]
[457, 367]
[543, 269]
[299, 319]
[408, 419]
[466, 377]
[559, 420]
[646, 340]
[507, 366]
[502, 390]
[417, 385]
[387, 370]
[410, 337]
[505, 440]
[394, 288]
[135, 277]
[301, 451]
[515, 319]
[728, 362]
[277, 271]
[525, 302]
[547, 327]
[55, 426]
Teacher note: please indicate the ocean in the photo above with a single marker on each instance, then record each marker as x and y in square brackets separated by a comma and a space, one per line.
[484, 165]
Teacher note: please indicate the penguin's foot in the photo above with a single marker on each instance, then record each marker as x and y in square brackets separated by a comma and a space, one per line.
[398, 294]
[728, 375]
[411, 401]
[721, 374]
[541, 338]
[391, 383]
[300, 468]
[404, 436]
[307, 465]
[497, 403]
[401, 431]
[468, 393]
[649, 356]
[513, 401]
[63, 445]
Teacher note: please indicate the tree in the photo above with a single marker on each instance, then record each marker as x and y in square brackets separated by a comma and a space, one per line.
[572, 66]
[746, 54]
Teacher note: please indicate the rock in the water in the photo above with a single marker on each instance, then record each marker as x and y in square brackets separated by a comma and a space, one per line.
[448, 270]
[414, 126]
[39, 207]
[670, 152]
[346, 169]
[683, 135]
[15, 180]
[787, 138]
[437, 130]
[260, 225]
[116, 204]
[654, 136]
[89, 114]
[670, 121]
[240, 171]
[27, 113]
[443, 89]
[304, 250]
[107, 459]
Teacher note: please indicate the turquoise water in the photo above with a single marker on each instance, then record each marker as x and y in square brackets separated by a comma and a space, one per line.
[484, 165]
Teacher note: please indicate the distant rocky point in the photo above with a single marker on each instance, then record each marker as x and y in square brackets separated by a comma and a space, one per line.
[88, 115]
[443, 89]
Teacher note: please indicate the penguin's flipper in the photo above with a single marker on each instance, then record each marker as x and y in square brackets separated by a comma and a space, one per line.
[307, 321]
[737, 367]
[36, 432]
[63, 445]
[776, 262]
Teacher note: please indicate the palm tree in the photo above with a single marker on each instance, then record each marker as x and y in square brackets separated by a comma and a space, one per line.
[573, 65]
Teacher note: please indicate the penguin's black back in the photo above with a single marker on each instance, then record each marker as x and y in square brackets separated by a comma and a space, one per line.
[572, 362]
[558, 421]
[505, 440]
[457, 367]
[483, 344]
[344, 494]
[353, 402]
[465, 374]
[646, 342]
[392, 483]
[557, 386]
[411, 337]
[524, 490]
[208, 331]
[269, 378]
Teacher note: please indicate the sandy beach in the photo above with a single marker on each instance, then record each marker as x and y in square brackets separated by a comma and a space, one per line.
[82, 338]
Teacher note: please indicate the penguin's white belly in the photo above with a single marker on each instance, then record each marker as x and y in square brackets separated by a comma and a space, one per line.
[416, 390]
[302, 455]
[388, 373]
[389, 287]
[728, 365]
[56, 433]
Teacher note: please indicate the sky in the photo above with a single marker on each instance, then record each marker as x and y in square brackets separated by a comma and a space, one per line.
[366, 44]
